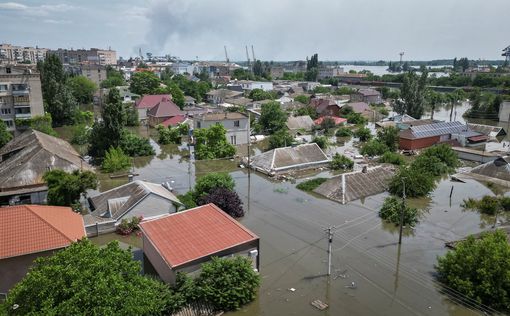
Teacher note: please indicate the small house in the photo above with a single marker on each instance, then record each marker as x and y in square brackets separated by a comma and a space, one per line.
[220, 95]
[163, 111]
[237, 125]
[183, 241]
[367, 96]
[147, 102]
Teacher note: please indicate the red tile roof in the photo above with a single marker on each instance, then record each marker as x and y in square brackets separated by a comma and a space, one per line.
[174, 121]
[338, 120]
[165, 108]
[28, 229]
[196, 233]
[150, 101]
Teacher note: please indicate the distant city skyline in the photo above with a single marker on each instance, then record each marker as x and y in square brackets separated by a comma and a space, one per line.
[359, 30]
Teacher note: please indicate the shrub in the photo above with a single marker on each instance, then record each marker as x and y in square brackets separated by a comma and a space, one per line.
[81, 134]
[445, 154]
[373, 148]
[363, 133]
[343, 132]
[341, 162]
[321, 141]
[311, 185]
[430, 164]
[225, 199]
[392, 209]
[392, 158]
[489, 205]
[383, 111]
[211, 181]
[281, 138]
[183, 129]
[417, 182]
[115, 160]
[168, 135]
[388, 136]
[131, 115]
[355, 118]
[134, 145]
[188, 200]
[83, 117]
[127, 226]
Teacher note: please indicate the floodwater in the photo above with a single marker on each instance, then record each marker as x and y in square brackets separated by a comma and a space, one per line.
[383, 70]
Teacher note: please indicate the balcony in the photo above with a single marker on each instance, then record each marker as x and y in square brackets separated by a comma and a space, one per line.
[19, 92]
[23, 115]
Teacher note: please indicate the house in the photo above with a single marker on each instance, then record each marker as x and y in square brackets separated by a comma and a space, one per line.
[304, 122]
[26, 158]
[147, 102]
[356, 185]
[176, 121]
[126, 95]
[496, 171]
[183, 241]
[189, 101]
[248, 85]
[360, 107]
[133, 199]
[330, 72]
[288, 159]
[32, 231]
[422, 136]
[220, 95]
[367, 95]
[488, 130]
[163, 111]
[336, 119]
[237, 125]
[325, 106]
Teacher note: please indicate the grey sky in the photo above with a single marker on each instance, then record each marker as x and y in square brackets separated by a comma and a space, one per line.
[278, 29]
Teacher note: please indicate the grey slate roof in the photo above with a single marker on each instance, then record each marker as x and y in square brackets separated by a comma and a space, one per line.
[355, 185]
[116, 202]
[499, 169]
[287, 158]
[300, 122]
[25, 159]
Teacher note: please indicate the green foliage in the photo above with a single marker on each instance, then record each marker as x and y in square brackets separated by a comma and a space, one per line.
[259, 95]
[41, 123]
[374, 147]
[327, 124]
[392, 158]
[168, 135]
[144, 82]
[306, 110]
[311, 184]
[211, 181]
[488, 204]
[479, 269]
[197, 90]
[131, 115]
[85, 279]
[176, 92]
[228, 283]
[82, 89]
[343, 90]
[114, 78]
[127, 226]
[80, 134]
[227, 200]
[355, 118]
[388, 136]
[321, 141]
[417, 182]
[412, 95]
[281, 138]
[391, 211]
[211, 143]
[437, 160]
[272, 117]
[343, 132]
[135, 146]
[188, 200]
[65, 189]
[83, 117]
[383, 111]
[321, 89]
[312, 68]
[302, 99]
[5, 136]
[294, 76]
[363, 133]
[183, 129]
[115, 160]
[341, 162]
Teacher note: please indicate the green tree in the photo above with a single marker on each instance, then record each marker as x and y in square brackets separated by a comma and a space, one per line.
[85, 279]
[211, 181]
[41, 123]
[280, 138]
[321, 141]
[445, 155]
[259, 95]
[228, 283]
[392, 158]
[341, 162]
[5, 136]
[478, 268]
[82, 88]
[412, 95]
[302, 99]
[144, 82]
[115, 160]
[417, 182]
[363, 133]
[131, 115]
[306, 110]
[373, 148]
[134, 145]
[168, 135]
[272, 117]
[392, 209]
[114, 78]
[65, 189]
[389, 137]
[81, 134]
[343, 132]
[211, 143]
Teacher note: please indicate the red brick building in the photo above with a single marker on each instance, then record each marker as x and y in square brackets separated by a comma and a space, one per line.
[424, 136]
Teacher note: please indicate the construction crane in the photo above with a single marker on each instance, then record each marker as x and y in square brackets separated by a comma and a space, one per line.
[253, 53]
[506, 54]
[226, 55]
[401, 54]
[248, 57]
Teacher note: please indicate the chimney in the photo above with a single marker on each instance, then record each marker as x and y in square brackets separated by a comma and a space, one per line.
[365, 169]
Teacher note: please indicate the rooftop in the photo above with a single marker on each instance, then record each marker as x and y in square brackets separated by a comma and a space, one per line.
[193, 234]
[222, 116]
[299, 122]
[431, 130]
[165, 108]
[29, 229]
[149, 101]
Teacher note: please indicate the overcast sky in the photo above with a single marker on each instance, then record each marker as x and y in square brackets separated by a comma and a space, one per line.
[278, 29]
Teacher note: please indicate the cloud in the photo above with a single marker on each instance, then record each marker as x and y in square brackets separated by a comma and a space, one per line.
[51, 21]
[12, 6]
[35, 11]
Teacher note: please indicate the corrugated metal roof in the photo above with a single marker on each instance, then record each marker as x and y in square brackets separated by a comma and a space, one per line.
[436, 129]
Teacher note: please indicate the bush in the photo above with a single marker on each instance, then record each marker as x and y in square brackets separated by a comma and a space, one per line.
[188, 200]
[445, 154]
[489, 205]
[281, 138]
[321, 141]
[392, 209]
[373, 148]
[81, 134]
[341, 162]
[363, 133]
[392, 158]
[311, 185]
[343, 132]
[211, 181]
[228, 283]
[302, 99]
[388, 136]
[383, 111]
[83, 117]
[131, 115]
[417, 182]
[211, 143]
[134, 145]
[431, 165]
[479, 269]
[168, 135]
[65, 189]
[355, 118]
[225, 199]
[127, 226]
[115, 160]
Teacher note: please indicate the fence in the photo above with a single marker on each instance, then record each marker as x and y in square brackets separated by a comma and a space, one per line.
[100, 228]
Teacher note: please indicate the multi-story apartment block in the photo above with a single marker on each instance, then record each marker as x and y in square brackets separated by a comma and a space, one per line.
[19, 54]
[236, 124]
[90, 56]
[20, 94]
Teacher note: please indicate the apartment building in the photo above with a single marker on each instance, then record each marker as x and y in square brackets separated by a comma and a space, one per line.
[90, 56]
[20, 94]
[236, 124]
[20, 54]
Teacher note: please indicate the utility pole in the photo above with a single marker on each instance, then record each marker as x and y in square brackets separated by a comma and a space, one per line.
[330, 242]
[402, 212]
[249, 149]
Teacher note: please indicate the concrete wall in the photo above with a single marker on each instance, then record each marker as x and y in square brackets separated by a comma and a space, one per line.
[240, 133]
[100, 229]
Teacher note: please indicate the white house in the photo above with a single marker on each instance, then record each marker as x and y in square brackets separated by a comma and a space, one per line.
[249, 85]
[236, 124]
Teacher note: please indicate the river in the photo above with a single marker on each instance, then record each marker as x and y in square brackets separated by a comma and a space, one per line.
[383, 70]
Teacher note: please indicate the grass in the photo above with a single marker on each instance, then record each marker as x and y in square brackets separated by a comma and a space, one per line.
[311, 185]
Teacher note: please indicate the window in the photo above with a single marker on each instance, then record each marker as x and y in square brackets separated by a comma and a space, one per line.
[23, 110]
[199, 124]
[8, 70]
[233, 140]
[9, 123]
[3, 87]
[6, 111]
[21, 99]
[236, 123]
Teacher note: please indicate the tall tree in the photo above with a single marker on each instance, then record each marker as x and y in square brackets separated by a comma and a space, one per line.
[144, 82]
[82, 88]
[5, 136]
[211, 143]
[412, 95]
[65, 189]
[272, 117]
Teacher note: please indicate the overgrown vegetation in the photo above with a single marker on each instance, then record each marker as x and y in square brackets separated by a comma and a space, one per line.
[312, 184]
[489, 205]
[341, 162]
[343, 132]
[392, 158]
[280, 138]
[115, 160]
[211, 143]
[363, 133]
[321, 141]
[373, 148]
[128, 226]
[168, 135]
[391, 211]
[5, 136]
[65, 189]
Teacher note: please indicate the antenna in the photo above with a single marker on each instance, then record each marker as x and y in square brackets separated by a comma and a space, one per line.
[247, 56]
[253, 53]
[226, 55]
